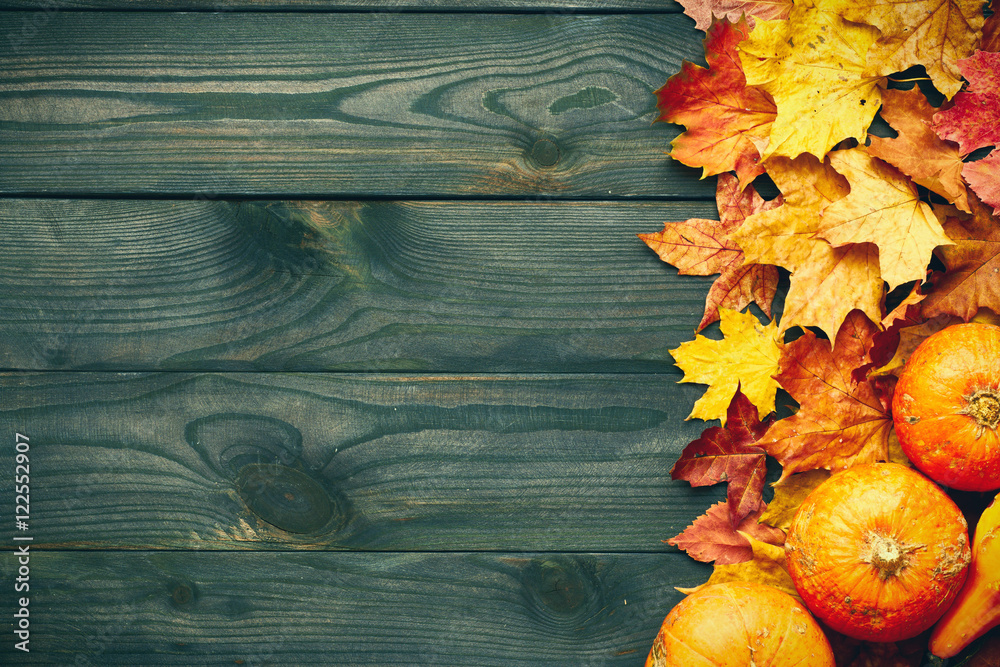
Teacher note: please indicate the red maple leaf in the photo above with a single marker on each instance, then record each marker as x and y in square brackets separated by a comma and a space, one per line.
[841, 421]
[983, 177]
[724, 117]
[973, 121]
[705, 247]
[727, 454]
[712, 536]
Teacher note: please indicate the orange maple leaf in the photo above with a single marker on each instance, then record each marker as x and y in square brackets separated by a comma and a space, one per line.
[906, 312]
[704, 247]
[886, 341]
[910, 337]
[918, 151]
[972, 265]
[724, 117]
[884, 208]
[826, 282]
[841, 421]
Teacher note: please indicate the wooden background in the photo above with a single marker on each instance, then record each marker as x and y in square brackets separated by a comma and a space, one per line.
[332, 335]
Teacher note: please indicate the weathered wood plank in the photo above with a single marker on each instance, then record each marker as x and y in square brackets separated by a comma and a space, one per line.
[372, 462]
[347, 105]
[148, 608]
[450, 287]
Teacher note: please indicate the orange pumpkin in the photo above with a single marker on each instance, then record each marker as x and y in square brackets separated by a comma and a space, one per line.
[878, 552]
[736, 624]
[946, 407]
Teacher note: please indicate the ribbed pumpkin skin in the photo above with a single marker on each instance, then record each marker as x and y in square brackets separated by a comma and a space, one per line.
[931, 407]
[737, 624]
[878, 552]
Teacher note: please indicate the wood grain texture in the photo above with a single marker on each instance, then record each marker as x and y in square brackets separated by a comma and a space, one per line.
[372, 462]
[428, 420]
[342, 105]
[149, 608]
[397, 286]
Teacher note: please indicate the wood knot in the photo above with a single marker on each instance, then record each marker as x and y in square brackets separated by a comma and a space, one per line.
[562, 590]
[181, 594]
[285, 497]
[545, 153]
[231, 441]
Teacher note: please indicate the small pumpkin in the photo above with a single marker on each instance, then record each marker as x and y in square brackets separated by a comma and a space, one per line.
[946, 407]
[878, 552]
[736, 624]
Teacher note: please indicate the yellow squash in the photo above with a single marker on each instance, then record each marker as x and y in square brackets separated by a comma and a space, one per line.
[977, 608]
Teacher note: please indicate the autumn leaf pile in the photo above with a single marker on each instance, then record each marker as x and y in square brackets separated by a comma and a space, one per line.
[883, 239]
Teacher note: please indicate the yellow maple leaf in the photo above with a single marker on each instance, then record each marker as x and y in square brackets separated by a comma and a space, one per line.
[884, 208]
[788, 495]
[815, 66]
[932, 33]
[747, 357]
[767, 567]
[826, 283]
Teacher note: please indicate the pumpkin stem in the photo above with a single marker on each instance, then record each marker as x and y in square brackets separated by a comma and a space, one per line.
[984, 407]
[887, 554]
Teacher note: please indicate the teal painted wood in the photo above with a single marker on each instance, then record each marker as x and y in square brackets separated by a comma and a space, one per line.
[494, 489]
[342, 105]
[356, 462]
[398, 286]
[150, 608]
